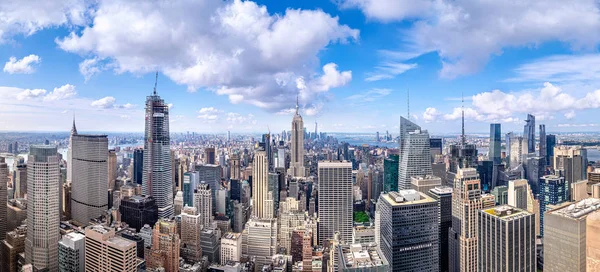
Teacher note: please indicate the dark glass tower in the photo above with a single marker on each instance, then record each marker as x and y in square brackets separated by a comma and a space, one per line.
[495, 143]
[553, 190]
[550, 144]
[137, 211]
[138, 165]
[529, 133]
[157, 179]
[390, 173]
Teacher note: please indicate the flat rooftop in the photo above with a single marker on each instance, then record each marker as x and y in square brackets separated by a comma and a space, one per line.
[361, 256]
[578, 210]
[407, 197]
[506, 212]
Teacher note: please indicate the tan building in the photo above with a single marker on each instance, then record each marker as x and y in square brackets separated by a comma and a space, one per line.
[424, 183]
[105, 252]
[520, 196]
[579, 190]
[165, 246]
[565, 236]
[592, 241]
[260, 185]
[231, 247]
[11, 247]
[191, 226]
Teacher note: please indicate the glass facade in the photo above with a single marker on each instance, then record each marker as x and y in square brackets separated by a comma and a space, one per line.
[390, 172]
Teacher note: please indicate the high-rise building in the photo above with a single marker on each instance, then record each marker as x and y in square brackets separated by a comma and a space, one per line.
[210, 155]
[565, 236]
[157, 179]
[12, 247]
[550, 144]
[3, 198]
[518, 151]
[507, 143]
[529, 134]
[592, 241]
[20, 180]
[138, 211]
[190, 183]
[500, 194]
[542, 147]
[410, 231]
[178, 203]
[553, 190]
[571, 163]
[210, 243]
[424, 183]
[335, 200]
[260, 187]
[138, 165]
[89, 176]
[112, 169]
[436, 147]
[467, 200]
[535, 168]
[443, 196]
[231, 247]
[506, 240]
[234, 163]
[190, 235]
[211, 174]
[259, 240]
[43, 175]
[165, 246]
[203, 204]
[106, 252]
[71, 252]
[495, 143]
[297, 146]
[521, 196]
[390, 172]
[415, 155]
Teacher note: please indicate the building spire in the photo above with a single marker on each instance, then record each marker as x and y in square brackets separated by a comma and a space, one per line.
[462, 108]
[73, 129]
[155, 82]
[297, 102]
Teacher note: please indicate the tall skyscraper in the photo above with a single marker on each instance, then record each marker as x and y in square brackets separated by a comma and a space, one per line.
[20, 180]
[529, 133]
[443, 196]
[415, 155]
[335, 200]
[112, 169]
[138, 165]
[390, 172]
[542, 147]
[571, 163]
[467, 200]
[191, 226]
[507, 143]
[553, 190]
[410, 226]
[105, 252]
[203, 203]
[260, 184]
[495, 143]
[297, 146]
[157, 180]
[521, 196]
[71, 252]
[518, 151]
[234, 163]
[190, 183]
[165, 246]
[89, 176]
[43, 175]
[3, 198]
[506, 240]
[550, 144]
[211, 174]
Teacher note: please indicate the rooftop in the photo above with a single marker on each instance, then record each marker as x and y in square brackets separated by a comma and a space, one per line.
[506, 212]
[578, 210]
[406, 197]
[232, 235]
[361, 256]
[440, 190]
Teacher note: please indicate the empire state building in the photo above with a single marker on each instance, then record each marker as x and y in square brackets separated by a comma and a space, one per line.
[297, 146]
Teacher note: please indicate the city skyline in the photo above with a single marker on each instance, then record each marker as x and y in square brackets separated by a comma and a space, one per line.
[346, 63]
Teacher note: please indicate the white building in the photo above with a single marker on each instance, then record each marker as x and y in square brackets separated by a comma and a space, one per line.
[231, 247]
[260, 236]
[71, 252]
[335, 200]
[415, 154]
[203, 203]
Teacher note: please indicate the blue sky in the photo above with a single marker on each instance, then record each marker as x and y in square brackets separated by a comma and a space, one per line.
[238, 65]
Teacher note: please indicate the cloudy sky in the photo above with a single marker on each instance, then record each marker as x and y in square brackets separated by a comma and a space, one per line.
[239, 65]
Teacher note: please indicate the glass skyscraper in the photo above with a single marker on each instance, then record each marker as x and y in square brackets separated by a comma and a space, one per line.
[550, 144]
[495, 143]
[390, 172]
[529, 133]
[553, 190]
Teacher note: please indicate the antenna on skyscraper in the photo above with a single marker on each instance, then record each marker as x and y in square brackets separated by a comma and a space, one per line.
[297, 101]
[462, 108]
[155, 82]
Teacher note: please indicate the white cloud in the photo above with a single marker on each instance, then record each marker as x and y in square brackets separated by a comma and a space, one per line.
[22, 66]
[466, 33]
[370, 95]
[388, 70]
[90, 67]
[233, 48]
[469, 113]
[62, 92]
[208, 110]
[431, 114]
[577, 125]
[209, 114]
[236, 118]
[104, 103]
[570, 114]
[30, 94]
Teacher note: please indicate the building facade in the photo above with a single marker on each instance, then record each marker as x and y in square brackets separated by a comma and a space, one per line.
[191, 226]
[138, 211]
[335, 200]
[297, 146]
[105, 252]
[71, 253]
[443, 196]
[415, 154]
[495, 143]
[553, 190]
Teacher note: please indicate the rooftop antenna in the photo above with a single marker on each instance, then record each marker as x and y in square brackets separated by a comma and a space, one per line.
[155, 82]
[462, 107]
[297, 102]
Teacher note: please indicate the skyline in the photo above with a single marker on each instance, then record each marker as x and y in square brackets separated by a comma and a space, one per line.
[353, 64]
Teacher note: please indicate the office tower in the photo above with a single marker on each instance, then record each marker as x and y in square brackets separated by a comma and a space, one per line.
[157, 179]
[529, 134]
[43, 174]
[190, 183]
[297, 146]
[210, 174]
[592, 241]
[112, 168]
[335, 200]
[146, 234]
[307, 249]
[209, 155]
[518, 151]
[222, 199]
[165, 246]
[260, 187]
[20, 180]
[138, 165]
[178, 203]
[436, 146]
[290, 217]
[235, 190]
[495, 143]
[486, 175]
[500, 194]
[535, 168]
[106, 252]
[239, 216]
[16, 213]
[507, 143]
[410, 225]
[443, 196]
[542, 147]
[90, 176]
[228, 135]
[520, 195]
[280, 160]
[467, 200]
[231, 247]
[550, 144]
[71, 253]
[506, 240]
[191, 226]
[210, 244]
[553, 190]
[203, 203]
[11, 248]
[571, 161]
[390, 172]
[139, 242]
[234, 163]
[138, 211]
[565, 236]
[263, 244]
[415, 155]
[424, 183]
[3, 198]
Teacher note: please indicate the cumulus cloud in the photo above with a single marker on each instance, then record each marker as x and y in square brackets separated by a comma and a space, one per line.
[29, 94]
[209, 114]
[233, 48]
[62, 92]
[236, 118]
[430, 114]
[21, 66]
[104, 103]
[466, 33]
[90, 67]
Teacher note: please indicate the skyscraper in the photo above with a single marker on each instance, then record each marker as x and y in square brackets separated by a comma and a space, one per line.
[529, 133]
[89, 176]
[211, 174]
[550, 144]
[138, 211]
[191, 226]
[521, 196]
[43, 174]
[209, 155]
[157, 180]
[3, 198]
[495, 143]
[12, 247]
[390, 172]
[542, 148]
[518, 151]
[507, 139]
[190, 183]
[415, 155]
[410, 231]
[260, 237]
[138, 165]
[335, 200]
[297, 146]
[71, 252]
[443, 196]
[165, 246]
[553, 190]
[107, 252]
[203, 203]
[506, 240]
[571, 163]
[112, 169]
[467, 200]
[260, 184]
